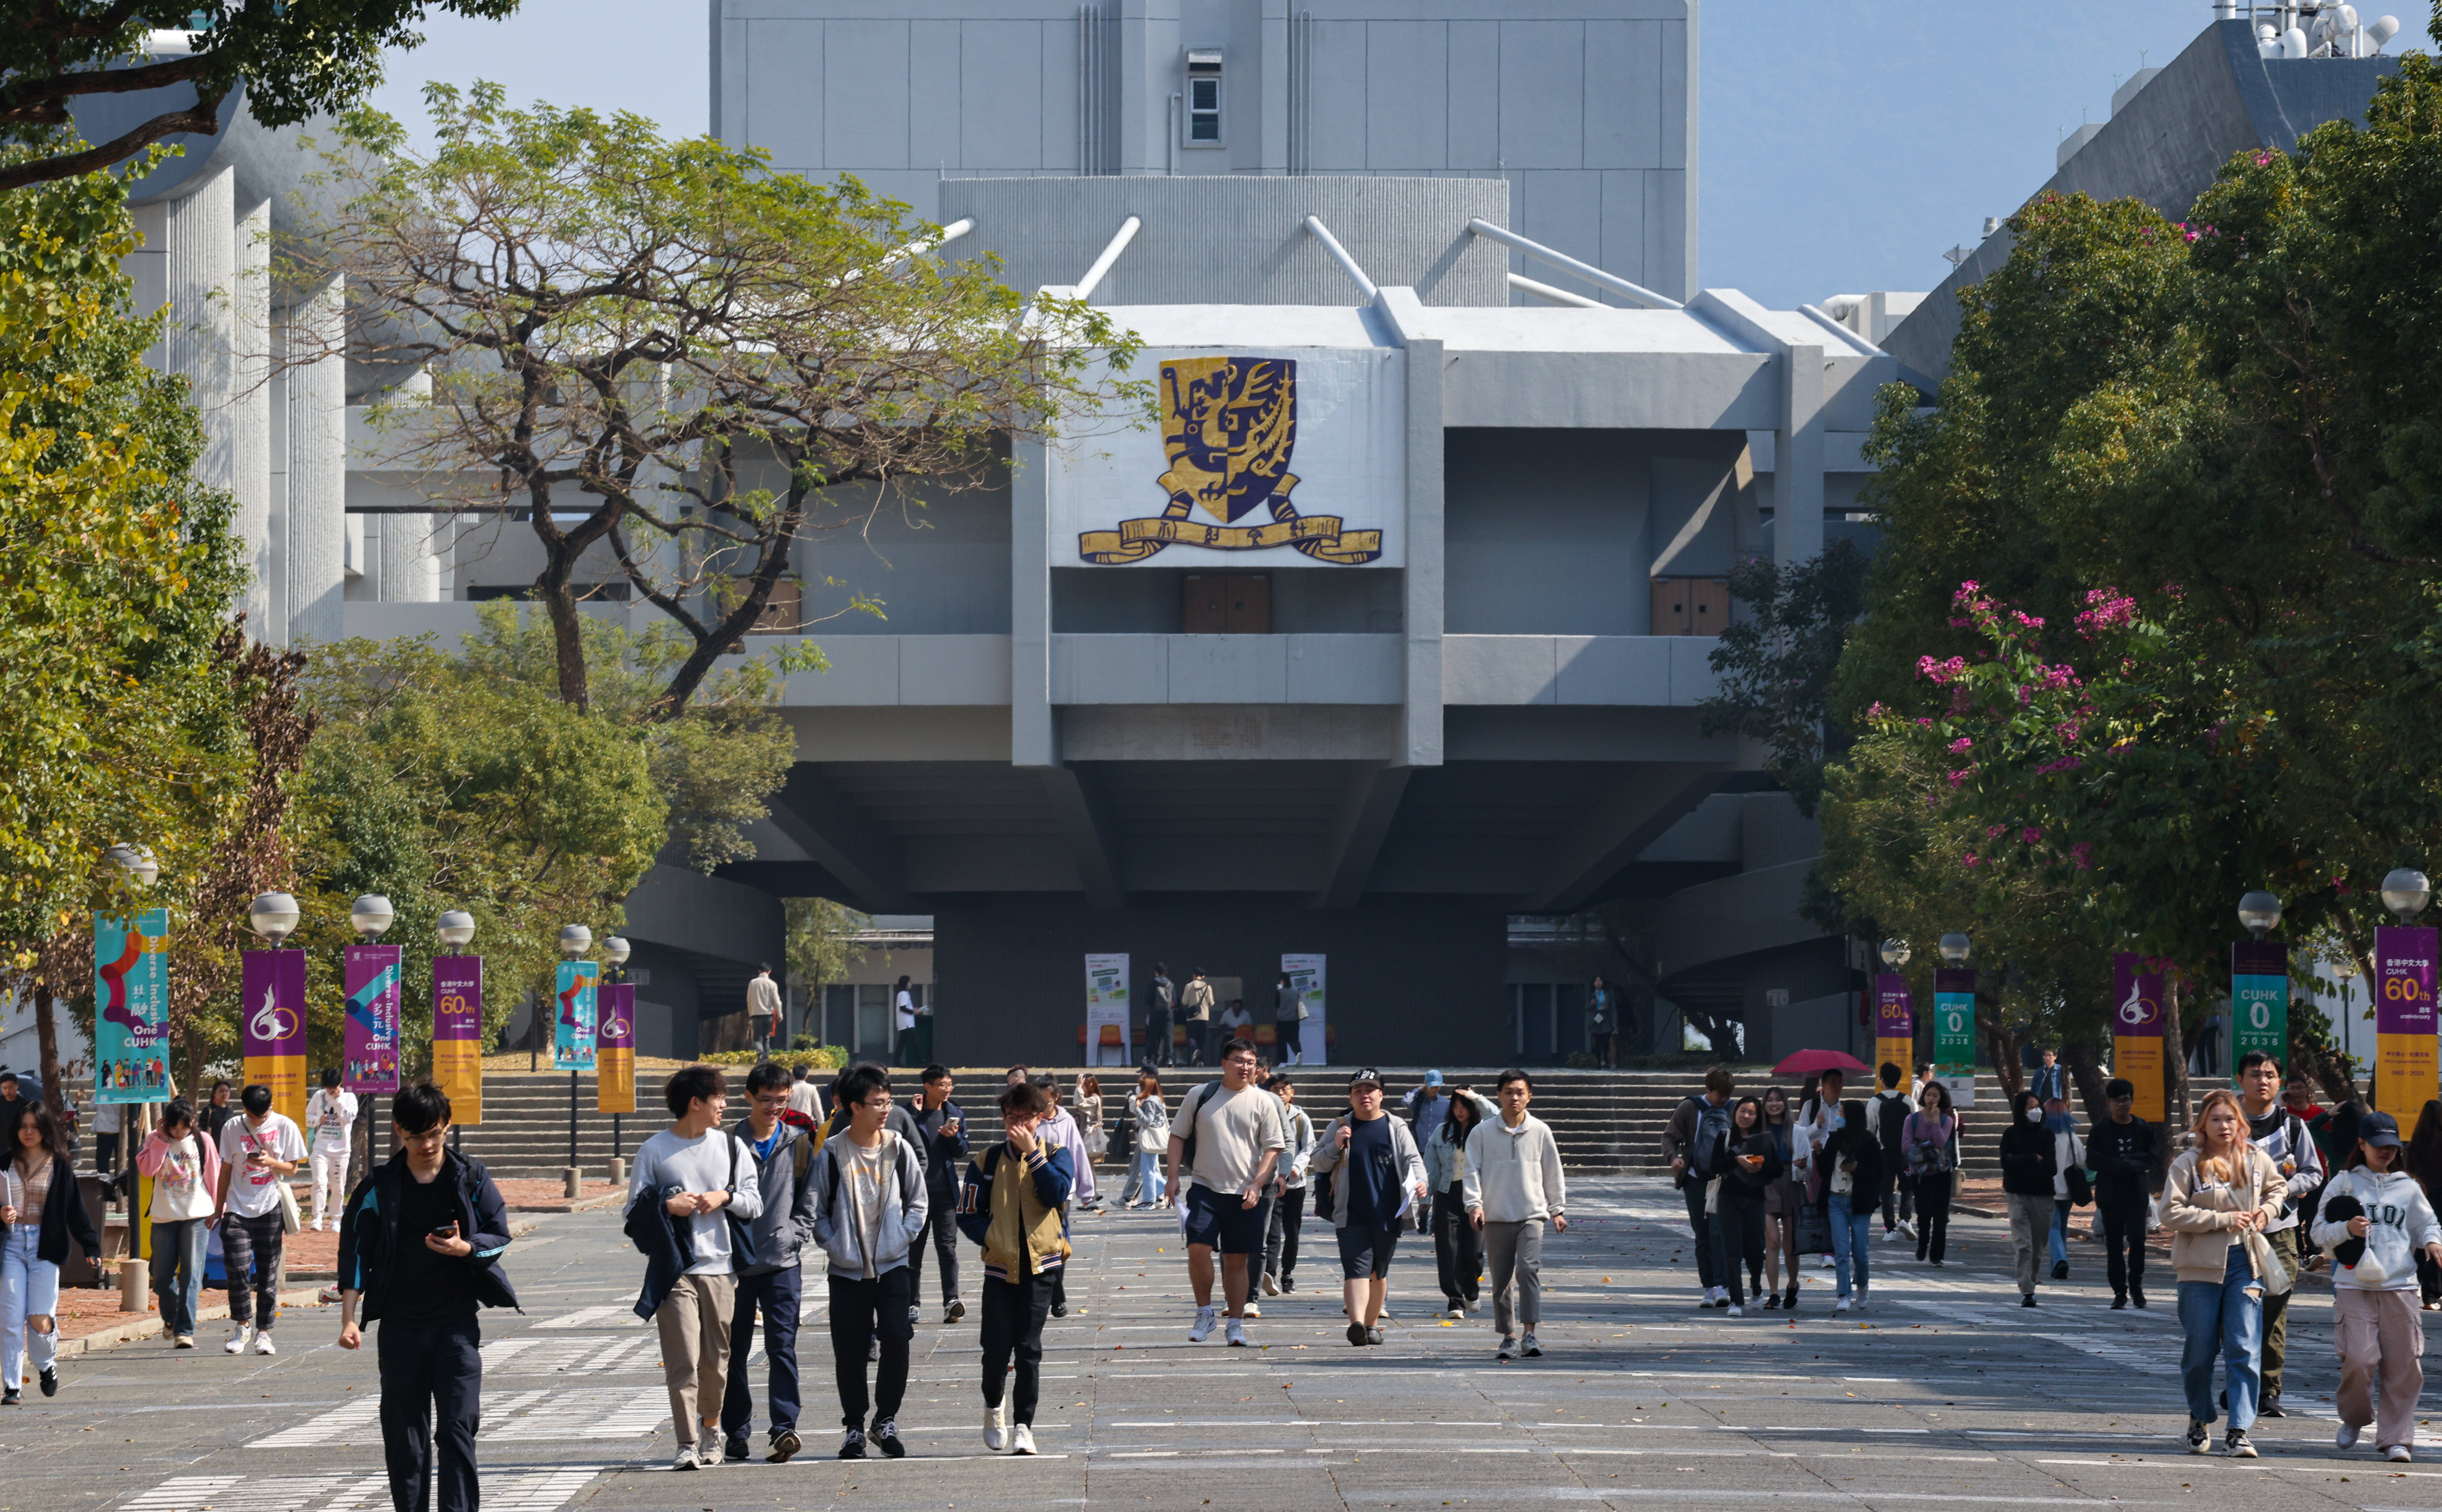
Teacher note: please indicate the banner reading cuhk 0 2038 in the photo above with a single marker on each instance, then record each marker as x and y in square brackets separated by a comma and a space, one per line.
[370, 1037]
[2404, 1070]
[573, 1036]
[131, 1008]
[2259, 1003]
[271, 1014]
[2137, 1032]
[1894, 1024]
[1954, 1034]
[458, 1034]
[614, 1070]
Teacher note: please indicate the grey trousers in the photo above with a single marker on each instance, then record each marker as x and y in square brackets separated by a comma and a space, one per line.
[2030, 1224]
[1515, 1252]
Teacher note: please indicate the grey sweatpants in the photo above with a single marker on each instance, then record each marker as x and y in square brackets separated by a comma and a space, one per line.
[1515, 1251]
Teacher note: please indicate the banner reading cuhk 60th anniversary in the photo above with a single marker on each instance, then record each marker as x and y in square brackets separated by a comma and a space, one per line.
[271, 1015]
[2137, 1032]
[131, 1008]
[1894, 1024]
[2259, 1002]
[2403, 1018]
[458, 1034]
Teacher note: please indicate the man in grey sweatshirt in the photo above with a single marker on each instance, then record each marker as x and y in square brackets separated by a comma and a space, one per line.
[782, 1143]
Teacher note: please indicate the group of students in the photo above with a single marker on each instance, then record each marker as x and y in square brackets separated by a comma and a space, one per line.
[1207, 1026]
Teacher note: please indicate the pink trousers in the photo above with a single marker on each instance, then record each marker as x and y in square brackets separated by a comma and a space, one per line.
[2379, 1330]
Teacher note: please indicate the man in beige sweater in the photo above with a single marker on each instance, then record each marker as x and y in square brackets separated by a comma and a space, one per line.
[764, 1006]
[1195, 1013]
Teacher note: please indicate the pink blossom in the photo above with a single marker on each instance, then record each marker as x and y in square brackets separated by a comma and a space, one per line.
[2106, 609]
[2083, 853]
[1966, 591]
[1877, 711]
[2030, 834]
[1940, 671]
[2064, 764]
[1970, 858]
[1923, 722]
[2030, 621]
[1960, 775]
[2264, 159]
[1995, 832]
[1961, 745]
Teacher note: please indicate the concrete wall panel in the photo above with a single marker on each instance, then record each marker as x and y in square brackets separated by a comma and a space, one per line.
[953, 669]
[1343, 669]
[1407, 104]
[1335, 117]
[1622, 669]
[1279, 732]
[1228, 668]
[1499, 669]
[1542, 94]
[935, 108]
[1625, 64]
[1475, 97]
[786, 88]
[863, 69]
[1002, 95]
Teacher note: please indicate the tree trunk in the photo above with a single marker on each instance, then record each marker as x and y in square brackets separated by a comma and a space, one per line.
[46, 1037]
[2078, 1055]
[2005, 1046]
[195, 1064]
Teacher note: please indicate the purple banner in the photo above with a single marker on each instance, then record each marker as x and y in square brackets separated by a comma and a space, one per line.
[458, 997]
[617, 1026]
[1894, 1009]
[272, 1004]
[370, 1049]
[2136, 998]
[2404, 980]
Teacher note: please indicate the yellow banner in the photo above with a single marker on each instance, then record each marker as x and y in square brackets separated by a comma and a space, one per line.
[1895, 1052]
[286, 1076]
[2404, 1074]
[615, 1081]
[2138, 1058]
[458, 1071]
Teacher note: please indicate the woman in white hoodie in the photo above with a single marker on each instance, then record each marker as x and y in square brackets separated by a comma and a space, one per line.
[2375, 1204]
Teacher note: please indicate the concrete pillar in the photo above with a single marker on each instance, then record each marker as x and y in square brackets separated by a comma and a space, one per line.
[1033, 739]
[316, 502]
[246, 294]
[1420, 740]
[1797, 459]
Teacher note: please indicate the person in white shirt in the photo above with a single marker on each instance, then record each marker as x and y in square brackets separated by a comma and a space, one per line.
[1513, 1184]
[331, 1113]
[806, 1096]
[903, 1013]
[259, 1151]
[764, 1006]
[185, 1166]
[2376, 1221]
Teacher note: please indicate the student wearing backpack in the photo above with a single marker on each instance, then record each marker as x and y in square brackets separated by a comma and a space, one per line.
[782, 1142]
[1891, 1109]
[1010, 1204]
[2284, 1137]
[1380, 1177]
[2122, 1149]
[1697, 1126]
[868, 1200]
[1227, 1139]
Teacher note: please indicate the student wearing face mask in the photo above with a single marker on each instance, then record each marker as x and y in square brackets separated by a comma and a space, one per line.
[2029, 1161]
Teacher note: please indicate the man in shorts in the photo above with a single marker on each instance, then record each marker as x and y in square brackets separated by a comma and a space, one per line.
[1380, 1177]
[1235, 1129]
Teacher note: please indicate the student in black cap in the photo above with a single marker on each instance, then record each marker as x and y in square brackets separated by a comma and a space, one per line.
[1380, 1177]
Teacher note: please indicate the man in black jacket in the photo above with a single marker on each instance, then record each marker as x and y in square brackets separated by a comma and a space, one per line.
[420, 1249]
[2029, 1160]
[2122, 1149]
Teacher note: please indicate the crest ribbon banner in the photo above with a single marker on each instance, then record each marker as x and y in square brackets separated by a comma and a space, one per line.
[614, 1064]
[458, 1034]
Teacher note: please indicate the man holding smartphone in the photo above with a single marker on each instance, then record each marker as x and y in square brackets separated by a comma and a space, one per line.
[420, 1246]
[944, 1126]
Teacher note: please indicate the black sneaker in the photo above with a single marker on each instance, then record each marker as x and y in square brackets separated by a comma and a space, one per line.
[2026, 1298]
[885, 1437]
[1060, 1310]
[2060, 1270]
[10, 1398]
[2119, 1301]
[2137, 1297]
[2270, 1406]
[853, 1445]
[2199, 1436]
[736, 1449]
[1372, 1336]
[51, 1385]
[784, 1445]
[2237, 1445]
[1357, 1333]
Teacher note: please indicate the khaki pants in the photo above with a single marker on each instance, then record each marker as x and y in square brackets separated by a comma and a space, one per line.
[694, 1324]
[2276, 1312]
[2379, 1330]
[2031, 1220]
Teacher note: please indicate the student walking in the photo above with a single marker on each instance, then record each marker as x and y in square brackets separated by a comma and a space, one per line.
[1161, 998]
[1377, 1178]
[2122, 1148]
[868, 1201]
[1195, 1014]
[690, 1206]
[1749, 1162]
[1694, 1131]
[1890, 1108]
[2029, 1160]
[1930, 1147]
[1227, 1140]
[2068, 1155]
[1010, 1204]
[1513, 1183]
[1288, 1196]
[781, 1141]
[1849, 1161]
[941, 1126]
[1059, 1131]
[1289, 1018]
[1458, 1249]
[1153, 1142]
[2376, 1221]
[420, 1246]
[763, 1007]
[2282, 1136]
[331, 1113]
[186, 1171]
[1781, 1198]
[259, 1151]
[40, 1210]
[1818, 1114]
[2216, 1201]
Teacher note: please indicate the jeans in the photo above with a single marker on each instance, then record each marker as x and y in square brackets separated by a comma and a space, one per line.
[2122, 1216]
[1012, 1329]
[779, 1293]
[942, 1232]
[2225, 1317]
[1932, 1213]
[2059, 1235]
[1281, 1234]
[1144, 1176]
[1458, 1249]
[1737, 1242]
[250, 1246]
[1852, 1229]
[29, 1287]
[178, 1271]
[1702, 1224]
[431, 1375]
[861, 1309]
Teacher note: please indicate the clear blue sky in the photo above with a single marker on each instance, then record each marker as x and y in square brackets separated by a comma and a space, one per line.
[1842, 146]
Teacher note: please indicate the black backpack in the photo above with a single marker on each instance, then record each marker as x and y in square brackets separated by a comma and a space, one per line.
[1186, 1142]
[1891, 1118]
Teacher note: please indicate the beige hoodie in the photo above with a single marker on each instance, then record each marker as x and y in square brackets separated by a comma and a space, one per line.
[2203, 1215]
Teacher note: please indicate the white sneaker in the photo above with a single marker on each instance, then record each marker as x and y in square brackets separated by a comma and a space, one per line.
[1021, 1440]
[1271, 1284]
[1842, 1305]
[708, 1453]
[2347, 1435]
[1236, 1334]
[996, 1427]
[1203, 1329]
[1826, 1261]
[1907, 1228]
[1737, 1311]
[687, 1458]
[262, 1344]
[2398, 1454]
[236, 1344]
[1527, 1347]
[1250, 1310]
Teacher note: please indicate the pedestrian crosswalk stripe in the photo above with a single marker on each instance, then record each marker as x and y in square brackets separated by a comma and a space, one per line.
[614, 1315]
[537, 1491]
[591, 1413]
[343, 1422]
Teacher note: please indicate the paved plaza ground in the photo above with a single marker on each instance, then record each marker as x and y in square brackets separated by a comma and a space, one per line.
[1945, 1392]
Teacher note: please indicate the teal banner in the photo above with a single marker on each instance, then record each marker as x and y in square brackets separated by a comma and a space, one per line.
[1954, 1034]
[573, 1039]
[2259, 1002]
[131, 1008]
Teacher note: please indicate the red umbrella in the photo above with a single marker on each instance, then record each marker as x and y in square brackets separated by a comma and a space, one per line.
[1813, 1062]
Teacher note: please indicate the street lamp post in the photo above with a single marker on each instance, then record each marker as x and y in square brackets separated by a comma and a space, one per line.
[137, 871]
[574, 941]
[615, 949]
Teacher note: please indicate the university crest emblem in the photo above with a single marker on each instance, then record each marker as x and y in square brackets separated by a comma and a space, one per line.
[1229, 426]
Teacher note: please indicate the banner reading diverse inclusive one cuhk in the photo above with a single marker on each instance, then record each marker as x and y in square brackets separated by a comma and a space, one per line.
[1306, 974]
[572, 1045]
[1106, 1004]
[458, 1035]
[1894, 1024]
[369, 1039]
[1954, 1034]
[2137, 1033]
[131, 1008]
[614, 1065]
[2404, 1068]
[2259, 1003]
[271, 1011]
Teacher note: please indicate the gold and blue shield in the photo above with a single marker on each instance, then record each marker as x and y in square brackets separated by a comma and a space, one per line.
[1228, 426]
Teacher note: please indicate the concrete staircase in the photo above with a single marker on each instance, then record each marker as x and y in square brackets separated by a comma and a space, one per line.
[1608, 1122]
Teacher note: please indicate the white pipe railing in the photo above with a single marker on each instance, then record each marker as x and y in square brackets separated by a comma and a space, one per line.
[1544, 291]
[1570, 265]
[1339, 255]
[1118, 244]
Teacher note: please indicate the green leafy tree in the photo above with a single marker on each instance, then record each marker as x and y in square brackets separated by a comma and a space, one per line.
[1775, 663]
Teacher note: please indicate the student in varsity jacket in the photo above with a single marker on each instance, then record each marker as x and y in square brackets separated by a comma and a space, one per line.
[1010, 1204]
